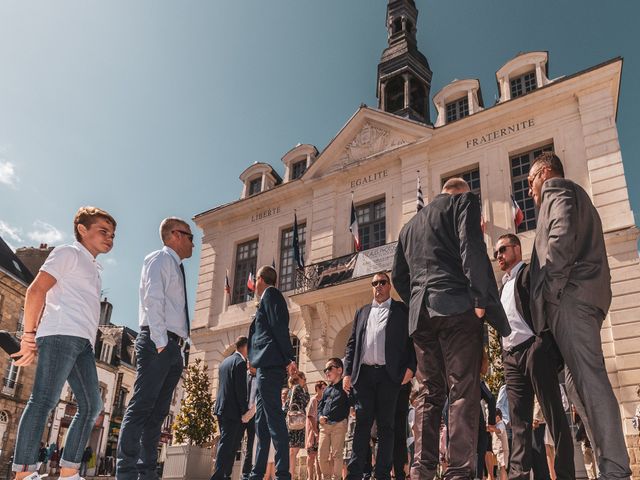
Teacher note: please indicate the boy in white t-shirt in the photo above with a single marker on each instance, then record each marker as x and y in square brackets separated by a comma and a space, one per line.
[68, 288]
[501, 445]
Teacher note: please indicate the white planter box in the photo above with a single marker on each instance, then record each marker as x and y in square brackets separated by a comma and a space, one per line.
[188, 462]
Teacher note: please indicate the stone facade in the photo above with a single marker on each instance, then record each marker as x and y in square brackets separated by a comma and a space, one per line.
[16, 382]
[377, 155]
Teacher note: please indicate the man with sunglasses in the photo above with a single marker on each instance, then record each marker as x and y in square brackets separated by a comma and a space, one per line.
[164, 330]
[379, 358]
[531, 363]
[442, 271]
[571, 294]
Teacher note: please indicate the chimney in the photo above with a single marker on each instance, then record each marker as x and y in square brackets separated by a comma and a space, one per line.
[105, 312]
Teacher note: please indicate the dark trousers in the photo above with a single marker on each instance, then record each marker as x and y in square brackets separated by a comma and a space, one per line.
[376, 397]
[449, 353]
[270, 423]
[400, 449]
[230, 438]
[576, 329]
[247, 462]
[156, 378]
[532, 370]
[539, 454]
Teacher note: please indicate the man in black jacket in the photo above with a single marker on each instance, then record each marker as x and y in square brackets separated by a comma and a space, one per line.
[530, 364]
[271, 353]
[442, 271]
[231, 404]
[379, 358]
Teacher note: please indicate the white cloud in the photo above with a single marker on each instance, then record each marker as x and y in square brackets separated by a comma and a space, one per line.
[45, 233]
[10, 234]
[112, 262]
[8, 173]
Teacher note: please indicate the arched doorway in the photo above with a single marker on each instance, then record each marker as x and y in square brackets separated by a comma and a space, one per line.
[4, 424]
[340, 341]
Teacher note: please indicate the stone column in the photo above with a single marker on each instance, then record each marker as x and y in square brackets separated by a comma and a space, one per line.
[407, 85]
[383, 87]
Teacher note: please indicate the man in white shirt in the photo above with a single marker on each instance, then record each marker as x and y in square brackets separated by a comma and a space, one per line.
[531, 365]
[68, 288]
[164, 330]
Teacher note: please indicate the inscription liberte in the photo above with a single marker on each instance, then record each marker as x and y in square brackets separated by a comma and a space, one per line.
[503, 132]
[269, 212]
[369, 178]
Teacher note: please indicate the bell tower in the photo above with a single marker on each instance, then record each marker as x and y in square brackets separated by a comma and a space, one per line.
[404, 76]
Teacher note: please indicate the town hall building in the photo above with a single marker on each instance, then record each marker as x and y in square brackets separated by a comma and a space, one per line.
[375, 160]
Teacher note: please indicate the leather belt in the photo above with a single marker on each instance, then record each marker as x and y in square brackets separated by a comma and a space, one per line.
[172, 336]
[373, 366]
[522, 346]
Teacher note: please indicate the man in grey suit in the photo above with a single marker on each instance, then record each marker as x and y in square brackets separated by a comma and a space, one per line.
[570, 295]
[442, 271]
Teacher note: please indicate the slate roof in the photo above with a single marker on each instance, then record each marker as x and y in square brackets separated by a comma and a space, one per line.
[11, 264]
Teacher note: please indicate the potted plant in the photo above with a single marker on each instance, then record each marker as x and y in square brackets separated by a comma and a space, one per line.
[194, 428]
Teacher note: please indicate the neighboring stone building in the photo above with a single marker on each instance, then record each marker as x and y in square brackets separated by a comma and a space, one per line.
[34, 257]
[15, 277]
[375, 159]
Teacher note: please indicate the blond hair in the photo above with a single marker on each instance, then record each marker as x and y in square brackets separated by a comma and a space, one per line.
[168, 225]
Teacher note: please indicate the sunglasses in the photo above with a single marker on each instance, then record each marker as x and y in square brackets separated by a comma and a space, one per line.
[329, 368]
[501, 250]
[186, 234]
[375, 283]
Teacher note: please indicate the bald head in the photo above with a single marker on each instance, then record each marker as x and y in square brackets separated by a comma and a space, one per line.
[455, 185]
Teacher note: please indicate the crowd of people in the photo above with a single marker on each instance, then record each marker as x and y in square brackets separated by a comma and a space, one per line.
[405, 399]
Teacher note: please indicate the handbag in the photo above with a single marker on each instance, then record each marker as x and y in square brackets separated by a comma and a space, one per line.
[296, 418]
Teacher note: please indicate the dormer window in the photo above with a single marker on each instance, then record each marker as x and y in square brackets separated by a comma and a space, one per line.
[457, 109]
[298, 169]
[523, 74]
[457, 100]
[523, 84]
[255, 186]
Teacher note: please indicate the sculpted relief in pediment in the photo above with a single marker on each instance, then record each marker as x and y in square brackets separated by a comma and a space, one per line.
[368, 141]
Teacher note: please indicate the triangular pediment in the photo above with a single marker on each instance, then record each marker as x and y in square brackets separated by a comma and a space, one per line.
[367, 134]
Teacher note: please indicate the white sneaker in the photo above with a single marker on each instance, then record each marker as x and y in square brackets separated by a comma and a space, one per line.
[35, 476]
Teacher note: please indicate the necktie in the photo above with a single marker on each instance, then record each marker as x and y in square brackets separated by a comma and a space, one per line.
[186, 304]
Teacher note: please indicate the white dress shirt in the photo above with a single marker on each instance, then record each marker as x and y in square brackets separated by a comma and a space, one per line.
[73, 304]
[162, 296]
[374, 335]
[520, 331]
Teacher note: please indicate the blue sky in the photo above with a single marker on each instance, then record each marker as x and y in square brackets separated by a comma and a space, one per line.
[153, 108]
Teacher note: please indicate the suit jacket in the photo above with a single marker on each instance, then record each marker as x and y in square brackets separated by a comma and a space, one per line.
[399, 351]
[569, 256]
[269, 339]
[441, 263]
[231, 401]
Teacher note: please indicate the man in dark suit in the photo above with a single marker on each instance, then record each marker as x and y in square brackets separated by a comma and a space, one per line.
[379, 358]
[271, 353]
[442, 271]
[570, 295]
[231, 405]
[531, 363]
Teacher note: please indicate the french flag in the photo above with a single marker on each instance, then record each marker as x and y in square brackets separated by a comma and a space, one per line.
[518, 215]
[251, 282]
[353, 227]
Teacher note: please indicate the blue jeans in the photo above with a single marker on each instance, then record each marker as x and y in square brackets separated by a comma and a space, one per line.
[157, 376]
[60, 358]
